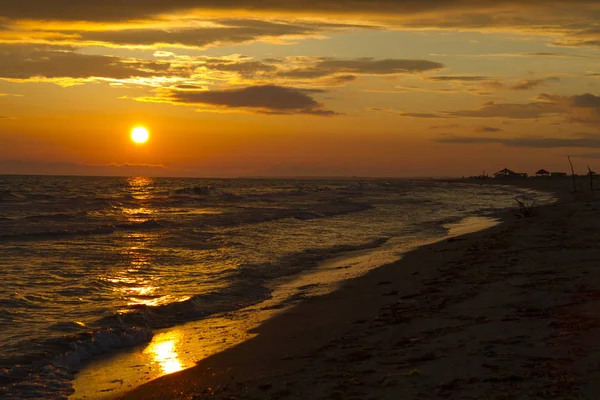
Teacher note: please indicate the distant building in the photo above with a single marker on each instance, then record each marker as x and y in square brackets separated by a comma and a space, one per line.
[559, 174]
[542, 172]
[507, 173]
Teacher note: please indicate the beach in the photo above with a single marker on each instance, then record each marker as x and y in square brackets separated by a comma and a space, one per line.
[508, 312]
[145, 277]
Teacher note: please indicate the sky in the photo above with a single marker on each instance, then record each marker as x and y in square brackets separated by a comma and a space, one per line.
[233, 88]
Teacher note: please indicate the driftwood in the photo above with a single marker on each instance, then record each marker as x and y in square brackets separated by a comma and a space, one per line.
[525, 208]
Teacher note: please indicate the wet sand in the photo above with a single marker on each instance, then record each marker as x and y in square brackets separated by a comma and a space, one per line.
[510, 312]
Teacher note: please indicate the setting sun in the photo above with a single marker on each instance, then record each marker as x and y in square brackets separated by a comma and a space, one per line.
[140, 134]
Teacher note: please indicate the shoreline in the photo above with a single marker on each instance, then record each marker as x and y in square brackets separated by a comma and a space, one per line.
[114, 374]
[283, 342]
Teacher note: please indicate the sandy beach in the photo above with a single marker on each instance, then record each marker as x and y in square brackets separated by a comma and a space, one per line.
[509, 312]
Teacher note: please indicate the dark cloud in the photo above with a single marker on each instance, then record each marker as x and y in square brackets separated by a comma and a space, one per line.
[583, 108]
[269, 99]
[364, 66]
[422, 115]
[487, 129]
[585, 100]
[336, 80]
[492, 84]
[191, 87]
[228, 31]
[522, 85]
[336, 71]
[446, 126]
[585, 140]
[345, 78]
[546, 54]
[29, 61]
[529, 84]
[586, 37]
[121, 10]
[457, 78]
[247, 69]
[508, 110]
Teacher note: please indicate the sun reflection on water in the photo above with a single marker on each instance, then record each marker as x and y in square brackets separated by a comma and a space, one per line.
[164, 351]
[135, 281]
[140, 187]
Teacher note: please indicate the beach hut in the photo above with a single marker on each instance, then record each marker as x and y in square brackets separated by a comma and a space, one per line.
[505, 173]
[542, 172]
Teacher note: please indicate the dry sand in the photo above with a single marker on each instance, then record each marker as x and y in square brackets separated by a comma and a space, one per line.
[511, 312]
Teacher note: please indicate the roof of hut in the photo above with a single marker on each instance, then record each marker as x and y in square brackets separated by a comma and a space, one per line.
[542, 172]
[505, 171]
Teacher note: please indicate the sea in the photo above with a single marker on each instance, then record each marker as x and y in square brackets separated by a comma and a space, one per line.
[93, 265]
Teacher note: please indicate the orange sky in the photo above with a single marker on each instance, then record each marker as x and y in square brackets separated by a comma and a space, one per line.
[418, 88]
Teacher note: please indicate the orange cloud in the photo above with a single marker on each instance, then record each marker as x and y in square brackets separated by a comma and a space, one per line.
[32, 61]
[580, 140]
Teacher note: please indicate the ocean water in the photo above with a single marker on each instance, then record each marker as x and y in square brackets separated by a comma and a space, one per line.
[89, 265]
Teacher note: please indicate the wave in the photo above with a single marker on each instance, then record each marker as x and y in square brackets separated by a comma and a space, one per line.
[51, 376]
[62, 233]
[7, 195]
[54, 217]
[202, 191]
[48, 372]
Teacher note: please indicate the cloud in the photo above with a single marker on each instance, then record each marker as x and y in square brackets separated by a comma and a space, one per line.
[64, 65]
[446, 126]
[421, 115]
[29, 61]
[339, 80]
[70, 168]
[362, 66]
[486, 129]
[319, 71]
[267, 99]
[549, 54]
[583, 141]
[479, 12]
[484, 85]
[247, 69]
[457, 78]
[220, 31]
[587, 37]
[525, 84]
[584, 108]
[585, 100]
[179, 22]
[509, 110]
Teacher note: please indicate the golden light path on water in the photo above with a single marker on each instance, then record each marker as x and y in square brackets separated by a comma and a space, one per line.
[137, 287]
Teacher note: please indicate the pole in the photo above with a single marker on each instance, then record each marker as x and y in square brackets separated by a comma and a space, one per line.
[572, 174]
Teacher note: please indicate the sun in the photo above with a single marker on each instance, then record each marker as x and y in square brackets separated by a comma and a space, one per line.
[140, 134]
